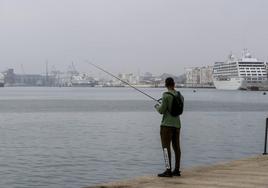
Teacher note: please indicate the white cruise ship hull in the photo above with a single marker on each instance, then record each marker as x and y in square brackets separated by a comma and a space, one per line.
[232, 84]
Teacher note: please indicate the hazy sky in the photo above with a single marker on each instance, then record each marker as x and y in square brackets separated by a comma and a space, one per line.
[129, 35]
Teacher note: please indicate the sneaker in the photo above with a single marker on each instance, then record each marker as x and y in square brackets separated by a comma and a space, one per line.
[167, 173]
[176, 173]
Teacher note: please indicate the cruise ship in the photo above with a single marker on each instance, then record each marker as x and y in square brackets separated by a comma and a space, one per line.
[245, 73]
[2, 80]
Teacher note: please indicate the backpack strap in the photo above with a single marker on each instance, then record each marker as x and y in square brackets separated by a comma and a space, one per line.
[176, 97]
[173, 94]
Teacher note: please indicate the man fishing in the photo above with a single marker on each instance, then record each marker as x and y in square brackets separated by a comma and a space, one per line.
[170, 127]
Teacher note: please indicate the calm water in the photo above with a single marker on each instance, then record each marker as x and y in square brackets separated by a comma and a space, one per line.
[75, 137]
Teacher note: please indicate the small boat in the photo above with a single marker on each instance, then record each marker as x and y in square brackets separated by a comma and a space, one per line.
[83, 80]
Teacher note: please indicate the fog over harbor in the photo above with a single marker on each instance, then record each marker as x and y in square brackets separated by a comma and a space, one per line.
[67, 122]
[129, 36]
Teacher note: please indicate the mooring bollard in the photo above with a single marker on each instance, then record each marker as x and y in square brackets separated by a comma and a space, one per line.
[265, 140]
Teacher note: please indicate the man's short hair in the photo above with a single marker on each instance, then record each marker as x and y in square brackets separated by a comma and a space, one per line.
[169, 82]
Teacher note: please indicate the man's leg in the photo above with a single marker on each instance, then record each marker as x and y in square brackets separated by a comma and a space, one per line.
[177, 150]
[166, 137]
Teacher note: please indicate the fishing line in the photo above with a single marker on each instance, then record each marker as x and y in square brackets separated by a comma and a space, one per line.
[96, 66]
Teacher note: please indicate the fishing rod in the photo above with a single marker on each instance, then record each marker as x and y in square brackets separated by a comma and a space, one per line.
[96, 66]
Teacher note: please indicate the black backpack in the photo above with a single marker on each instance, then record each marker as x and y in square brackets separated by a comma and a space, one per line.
[177, 104]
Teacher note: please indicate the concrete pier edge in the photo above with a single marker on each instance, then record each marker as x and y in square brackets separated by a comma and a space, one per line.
[244, 173]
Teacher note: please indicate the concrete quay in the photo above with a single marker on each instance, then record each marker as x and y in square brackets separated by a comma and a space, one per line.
[244, 173]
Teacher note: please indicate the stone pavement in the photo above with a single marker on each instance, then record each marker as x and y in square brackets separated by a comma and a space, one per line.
[244, 173]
